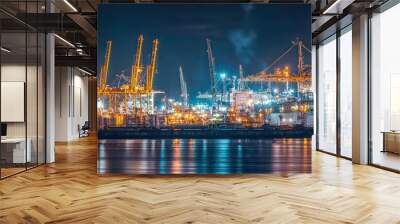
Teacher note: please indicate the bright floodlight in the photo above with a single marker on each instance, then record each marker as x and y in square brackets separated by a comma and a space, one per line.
[100, 104]
[223, 75]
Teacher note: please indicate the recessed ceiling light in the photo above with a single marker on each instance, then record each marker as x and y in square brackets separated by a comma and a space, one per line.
[337, 7]
[64, 40]
[70, 5]
[84, 71]
[5, 50]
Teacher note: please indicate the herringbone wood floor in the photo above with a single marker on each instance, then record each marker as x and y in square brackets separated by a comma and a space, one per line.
[70, 191]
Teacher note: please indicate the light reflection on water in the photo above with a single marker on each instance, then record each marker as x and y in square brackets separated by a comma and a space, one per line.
[204, 156]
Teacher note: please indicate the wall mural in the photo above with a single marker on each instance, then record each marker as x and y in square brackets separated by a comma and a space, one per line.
[204, 88]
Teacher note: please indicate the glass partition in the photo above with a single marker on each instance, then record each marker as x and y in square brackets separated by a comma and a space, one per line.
[41, 97]
[385, 89]
[327, 95]
[13, 92]
[22, 88]
[346, 92]
[31, 97]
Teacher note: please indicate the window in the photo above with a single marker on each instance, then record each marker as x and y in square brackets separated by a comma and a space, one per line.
[385, 89]
[346, 92]
[327, 95]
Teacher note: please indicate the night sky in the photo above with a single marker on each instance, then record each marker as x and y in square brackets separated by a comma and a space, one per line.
[247, 34]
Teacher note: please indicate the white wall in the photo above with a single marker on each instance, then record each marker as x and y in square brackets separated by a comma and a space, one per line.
[61, 103]
[71, 102]
[17, 73]
[12, 73]
[33, 126]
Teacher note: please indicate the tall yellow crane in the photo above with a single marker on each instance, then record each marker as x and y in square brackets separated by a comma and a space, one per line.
[134, 89]
[151, 69]
[137, 66]
[104, 68]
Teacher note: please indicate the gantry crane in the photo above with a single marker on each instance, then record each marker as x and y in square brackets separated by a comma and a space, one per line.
[151, 69]
[241, 77]
[103, 80]
[302, 78]
[103, 89]
[134, 89]
[104, 68]
[184, 93]
[279, 75]
[211, 61]
[135, 72]
[137, 66]
[300, 62]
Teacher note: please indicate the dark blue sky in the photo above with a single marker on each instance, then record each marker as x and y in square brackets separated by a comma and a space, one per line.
[253, 35]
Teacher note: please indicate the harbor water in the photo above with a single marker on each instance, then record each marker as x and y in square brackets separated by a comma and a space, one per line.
[204, 156]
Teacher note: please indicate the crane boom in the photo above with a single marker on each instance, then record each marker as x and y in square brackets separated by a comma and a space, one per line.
[211, 61]
[152, 67]
[184, 93]
[104, 67]
[241, 77]
[301, 67]
[137, 66]
[300, 63]
[148, 70]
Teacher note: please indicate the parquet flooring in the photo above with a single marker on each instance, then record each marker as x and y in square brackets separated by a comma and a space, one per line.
[70, 191]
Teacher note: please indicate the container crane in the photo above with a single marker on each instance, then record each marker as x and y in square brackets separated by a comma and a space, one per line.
[135, 71]
[302, 78]
[137, 66]
[104, 68]
[133, 88]
[241, 84]
[211, 61]
[151, 69]
[102, 89]
[184, 93]
[301, 67]
[300, 63]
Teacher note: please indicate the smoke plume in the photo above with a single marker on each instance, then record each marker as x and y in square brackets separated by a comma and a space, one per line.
[242, 41]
